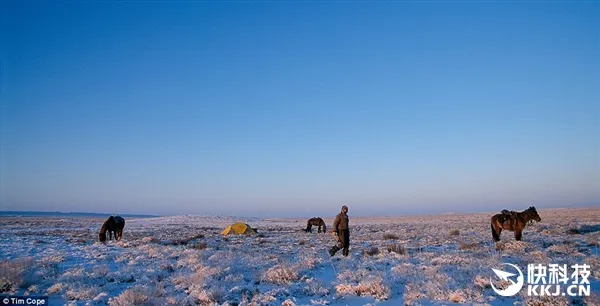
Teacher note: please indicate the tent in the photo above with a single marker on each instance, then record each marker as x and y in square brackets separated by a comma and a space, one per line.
[238, 229]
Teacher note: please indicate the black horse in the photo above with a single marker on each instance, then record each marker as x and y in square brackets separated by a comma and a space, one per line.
[114, 225]
[316, 222]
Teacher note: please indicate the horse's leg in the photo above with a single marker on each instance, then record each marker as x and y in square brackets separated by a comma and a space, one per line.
[319, 229]
[496, 230]
[518, 234]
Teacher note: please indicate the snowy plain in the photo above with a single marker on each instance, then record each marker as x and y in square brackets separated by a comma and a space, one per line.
[184, 260]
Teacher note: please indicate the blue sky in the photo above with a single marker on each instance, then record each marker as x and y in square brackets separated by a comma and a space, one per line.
[295, 108]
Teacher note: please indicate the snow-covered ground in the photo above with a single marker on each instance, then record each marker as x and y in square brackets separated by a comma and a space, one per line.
[439, 260]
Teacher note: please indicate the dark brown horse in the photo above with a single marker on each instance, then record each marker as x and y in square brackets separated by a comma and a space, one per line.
[513, 221]
[114, 225]
[316, 222]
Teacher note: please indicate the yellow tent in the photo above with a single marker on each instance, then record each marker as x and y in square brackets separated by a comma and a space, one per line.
[239, 229]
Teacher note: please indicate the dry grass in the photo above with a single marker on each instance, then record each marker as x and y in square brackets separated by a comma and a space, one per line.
[447, 259]
[134, 296]
[281, 275]
[208, 296]
[15, 274]
[513, 246]
[389, 236]
[150, 240]
[481, 282]
[374, 288]
[547, 300]
[33, 289]
[200, 246]
[56, 288]
[101, 270]
[185, 241]
[457, 297]
[178, 242]
[313, 287]
[309, 263]
[372, 251]
[288, 302]
[81, 293]
[454, 232]
[467, 246]
[396, 248]
[561, 248]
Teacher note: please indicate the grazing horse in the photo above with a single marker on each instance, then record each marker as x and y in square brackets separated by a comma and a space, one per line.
[316, 222]
[513, 221]
[113, 225]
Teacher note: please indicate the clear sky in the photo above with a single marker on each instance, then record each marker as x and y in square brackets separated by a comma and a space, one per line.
[295, 108]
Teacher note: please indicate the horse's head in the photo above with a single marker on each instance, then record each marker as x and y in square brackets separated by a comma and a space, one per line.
[533, 214]
[102, 237]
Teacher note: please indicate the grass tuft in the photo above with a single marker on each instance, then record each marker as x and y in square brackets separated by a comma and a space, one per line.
[200, 246]
[372, 251]
[389, 236]
[396, 248]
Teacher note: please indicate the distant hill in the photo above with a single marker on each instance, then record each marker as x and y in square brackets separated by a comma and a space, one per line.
[67, 214]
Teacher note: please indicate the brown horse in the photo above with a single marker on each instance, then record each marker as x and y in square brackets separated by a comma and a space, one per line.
[113, 225]
[513, 221]
[316, 222]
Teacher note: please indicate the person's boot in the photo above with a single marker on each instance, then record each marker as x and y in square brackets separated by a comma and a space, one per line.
[333, 250]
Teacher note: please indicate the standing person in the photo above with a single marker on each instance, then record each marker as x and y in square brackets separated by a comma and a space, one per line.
[342, 231]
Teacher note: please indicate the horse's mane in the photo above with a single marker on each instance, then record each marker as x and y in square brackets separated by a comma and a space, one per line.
[104, 227]
[531, 209]
[107, 224]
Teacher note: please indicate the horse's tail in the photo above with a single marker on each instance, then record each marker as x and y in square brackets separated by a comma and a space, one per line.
[494, 234]
[324, 226]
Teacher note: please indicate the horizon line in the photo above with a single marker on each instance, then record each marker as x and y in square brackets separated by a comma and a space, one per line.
[7, 213]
